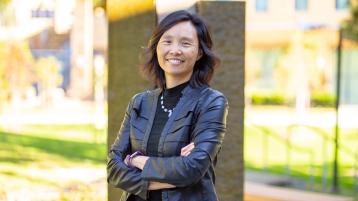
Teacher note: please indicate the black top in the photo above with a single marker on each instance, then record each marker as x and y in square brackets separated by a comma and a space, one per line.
[170, 98]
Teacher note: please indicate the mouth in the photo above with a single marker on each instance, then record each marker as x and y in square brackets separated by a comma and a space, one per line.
[174, 61]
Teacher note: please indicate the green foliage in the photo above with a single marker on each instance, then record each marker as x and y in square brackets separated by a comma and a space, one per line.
[3, 4]
[322, 99]
[350, 26]
[318, 99]
[7, 14]
[268, 98]
[99, 3]
[16, 69]
[19, 70]
[47, 73]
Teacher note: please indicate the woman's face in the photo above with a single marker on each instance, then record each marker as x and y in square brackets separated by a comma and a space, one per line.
[178, 50]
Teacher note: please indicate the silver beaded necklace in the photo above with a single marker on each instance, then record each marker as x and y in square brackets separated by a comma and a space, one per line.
[170, 111]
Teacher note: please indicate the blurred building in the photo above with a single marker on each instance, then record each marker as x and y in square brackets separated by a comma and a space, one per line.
[48, 43]
[291, 47]
[72, 31]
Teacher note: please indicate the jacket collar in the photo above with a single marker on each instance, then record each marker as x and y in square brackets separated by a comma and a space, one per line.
[185, 104]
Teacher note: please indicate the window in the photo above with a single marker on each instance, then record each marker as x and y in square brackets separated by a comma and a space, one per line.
[261, 5]
[342, 4]
[301, 5]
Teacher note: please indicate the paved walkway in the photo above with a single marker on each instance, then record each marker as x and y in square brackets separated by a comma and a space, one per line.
[262, 192]
[249, 197]
[64, 111]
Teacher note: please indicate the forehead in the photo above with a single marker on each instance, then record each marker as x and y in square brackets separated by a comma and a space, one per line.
[182, 29]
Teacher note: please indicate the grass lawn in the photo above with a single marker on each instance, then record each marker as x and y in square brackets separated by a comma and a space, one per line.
[304, 153]
[53, 162]
[67, 162]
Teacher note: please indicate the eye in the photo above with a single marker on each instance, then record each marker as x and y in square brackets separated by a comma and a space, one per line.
[166, 42]
[186, 44]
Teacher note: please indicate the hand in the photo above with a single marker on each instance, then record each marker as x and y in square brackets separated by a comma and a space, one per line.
[139, 161]
[185, 151]
[154, 185]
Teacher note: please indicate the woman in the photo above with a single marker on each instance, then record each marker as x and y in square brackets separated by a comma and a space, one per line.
[168, 143]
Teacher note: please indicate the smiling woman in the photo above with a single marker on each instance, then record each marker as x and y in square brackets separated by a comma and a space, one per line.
[170, 137]
[177, 52]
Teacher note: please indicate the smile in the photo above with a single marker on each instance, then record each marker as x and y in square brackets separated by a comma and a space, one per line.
[175, 61]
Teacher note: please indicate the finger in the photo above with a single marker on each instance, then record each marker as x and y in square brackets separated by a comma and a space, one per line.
[182, 150]
[188, 147]
[186, 154]
[192, 146]
[187, 150]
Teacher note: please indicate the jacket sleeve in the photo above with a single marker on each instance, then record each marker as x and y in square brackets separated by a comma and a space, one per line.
[208, 134]
[118, 174]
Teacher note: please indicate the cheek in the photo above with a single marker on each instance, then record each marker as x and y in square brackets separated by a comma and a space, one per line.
[195, 56]
[160, 52]
[159, 55]
[157, 50]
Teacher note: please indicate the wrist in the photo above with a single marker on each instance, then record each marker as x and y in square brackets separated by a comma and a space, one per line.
[129, 159]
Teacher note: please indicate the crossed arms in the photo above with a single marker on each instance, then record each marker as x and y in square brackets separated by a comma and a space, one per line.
[169, 172]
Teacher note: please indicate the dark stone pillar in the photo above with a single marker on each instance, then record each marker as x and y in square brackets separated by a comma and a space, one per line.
[131, 23]
[226, 20]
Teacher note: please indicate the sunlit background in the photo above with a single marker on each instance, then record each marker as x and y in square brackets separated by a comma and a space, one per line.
[52, 100]
[53, 113]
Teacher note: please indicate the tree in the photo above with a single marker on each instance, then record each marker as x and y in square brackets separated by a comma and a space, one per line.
[350, 26]
[3, 4]
[7, 13]
[16, 69]
[47, 76]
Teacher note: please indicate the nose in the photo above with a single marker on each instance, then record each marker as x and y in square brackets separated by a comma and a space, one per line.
[175, 49]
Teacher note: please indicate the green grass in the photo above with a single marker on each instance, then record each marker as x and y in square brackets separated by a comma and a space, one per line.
[304, 152]
[79, 133]
[72, 150]
[60, 158]
[67, 162]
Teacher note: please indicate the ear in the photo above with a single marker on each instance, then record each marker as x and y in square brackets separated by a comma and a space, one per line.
[200, 54]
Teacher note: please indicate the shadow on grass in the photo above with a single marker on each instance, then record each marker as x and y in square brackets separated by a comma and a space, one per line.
[16, 160]
[81, 151]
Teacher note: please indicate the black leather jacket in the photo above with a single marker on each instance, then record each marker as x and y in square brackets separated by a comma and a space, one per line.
[199, 117]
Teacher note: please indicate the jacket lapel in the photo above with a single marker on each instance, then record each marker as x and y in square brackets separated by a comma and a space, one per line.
[151, 109]
[190, 95]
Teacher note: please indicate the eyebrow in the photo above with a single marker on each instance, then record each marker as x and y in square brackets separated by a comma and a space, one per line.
[188, 39]
[167, 37]
[182, 38]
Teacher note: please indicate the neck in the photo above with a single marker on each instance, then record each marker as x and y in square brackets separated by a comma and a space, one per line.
[173, 81]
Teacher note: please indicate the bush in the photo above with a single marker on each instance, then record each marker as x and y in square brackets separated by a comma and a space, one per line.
[323, 99]
[268, 98]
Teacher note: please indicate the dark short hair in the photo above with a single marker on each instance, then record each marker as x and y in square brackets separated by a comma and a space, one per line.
[203, 68]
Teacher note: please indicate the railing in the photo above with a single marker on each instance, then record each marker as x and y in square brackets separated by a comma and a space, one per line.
[325, 140]
[290, 148]
[269, 133]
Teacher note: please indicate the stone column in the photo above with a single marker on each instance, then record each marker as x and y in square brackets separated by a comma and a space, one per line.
[81, 84]
[131, 23]
[226, 20]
